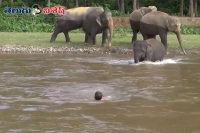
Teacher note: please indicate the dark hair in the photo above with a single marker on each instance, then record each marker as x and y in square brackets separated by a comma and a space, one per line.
[98, 95]
[36, 6]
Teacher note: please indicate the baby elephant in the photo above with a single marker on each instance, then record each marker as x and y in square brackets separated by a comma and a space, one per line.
[148, 50]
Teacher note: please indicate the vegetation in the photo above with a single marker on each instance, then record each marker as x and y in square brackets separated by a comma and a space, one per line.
[178, 7]
[45, 23]
[42, 39]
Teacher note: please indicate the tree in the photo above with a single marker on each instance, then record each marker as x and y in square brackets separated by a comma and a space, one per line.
[76, 3]
[85, 2]
[137, 4]
[49, 3]
[0, 2]
[191, 8]
[65, 3]
[181, 8]
[134, 5]
[11, 1]
[195, 8]
[121, 6]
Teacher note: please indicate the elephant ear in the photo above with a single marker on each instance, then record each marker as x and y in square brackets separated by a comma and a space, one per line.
[98, 20]
[149, 47]
[149, 52]
[169, 24]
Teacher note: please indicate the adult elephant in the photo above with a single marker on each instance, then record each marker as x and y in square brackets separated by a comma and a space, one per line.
[96, 22]
[148, 50]
[135, 18]
[160, 23]
[73, 19]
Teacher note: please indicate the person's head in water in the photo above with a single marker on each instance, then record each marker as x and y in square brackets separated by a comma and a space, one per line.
[98, 95]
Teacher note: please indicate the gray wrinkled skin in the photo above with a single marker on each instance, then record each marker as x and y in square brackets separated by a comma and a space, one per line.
[148, 50]
[98, 22]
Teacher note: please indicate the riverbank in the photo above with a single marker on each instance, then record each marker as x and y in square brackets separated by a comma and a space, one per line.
[88, 50]
[39, 43]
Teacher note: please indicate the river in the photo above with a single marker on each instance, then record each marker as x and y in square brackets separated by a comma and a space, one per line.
[54, 93]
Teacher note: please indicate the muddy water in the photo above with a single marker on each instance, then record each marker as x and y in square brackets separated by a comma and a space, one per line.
[54, 94]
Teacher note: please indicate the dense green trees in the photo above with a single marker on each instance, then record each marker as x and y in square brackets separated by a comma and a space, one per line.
[45, 23]
[175, 7]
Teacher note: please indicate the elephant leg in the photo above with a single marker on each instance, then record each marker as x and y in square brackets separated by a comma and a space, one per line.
[90, 41]
[144, 35]
[134, 38]
[67, 37]
[163, 37]
[93, 35]
[94, 41]
[86, 38]
[55, 34]
[104, 37]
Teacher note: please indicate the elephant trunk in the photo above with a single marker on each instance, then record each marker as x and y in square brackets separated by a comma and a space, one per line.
[179, 40]
[110, 26]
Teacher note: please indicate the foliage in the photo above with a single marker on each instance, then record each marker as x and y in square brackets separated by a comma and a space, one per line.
[45, 23]
[189, 30]
[170, 6]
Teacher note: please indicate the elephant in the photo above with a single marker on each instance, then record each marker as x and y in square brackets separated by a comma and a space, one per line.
[71, 20]
[135, 18]
[148, 50]
[96, 22]
[160, 23]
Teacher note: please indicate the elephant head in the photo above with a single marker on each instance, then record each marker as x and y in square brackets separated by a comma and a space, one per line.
[141, 49]
[105, 21]
[145, 10]
[173, 24]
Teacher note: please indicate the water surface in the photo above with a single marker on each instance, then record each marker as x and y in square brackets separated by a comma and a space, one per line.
[54, 93]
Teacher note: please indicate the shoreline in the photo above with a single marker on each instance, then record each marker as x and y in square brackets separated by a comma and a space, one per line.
[86, 50]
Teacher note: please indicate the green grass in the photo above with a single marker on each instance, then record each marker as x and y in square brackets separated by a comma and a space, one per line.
[42, 39]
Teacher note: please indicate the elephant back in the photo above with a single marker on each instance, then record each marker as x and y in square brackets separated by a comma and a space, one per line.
[157, 18]
[75, 13]
[136, 15]
[93, 11]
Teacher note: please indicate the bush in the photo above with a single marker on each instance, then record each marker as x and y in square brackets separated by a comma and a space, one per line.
[188, 30]
[45, 23]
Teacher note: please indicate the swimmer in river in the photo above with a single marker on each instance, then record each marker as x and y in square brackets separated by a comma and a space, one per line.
[98, 95]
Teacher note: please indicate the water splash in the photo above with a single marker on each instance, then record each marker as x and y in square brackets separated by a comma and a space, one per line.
[165, 61]
[131, 62]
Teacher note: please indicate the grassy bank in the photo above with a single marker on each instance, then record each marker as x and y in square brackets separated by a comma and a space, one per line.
[42, 39]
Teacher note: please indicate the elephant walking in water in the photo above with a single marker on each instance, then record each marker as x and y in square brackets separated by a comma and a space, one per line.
[96, 22]
[73, 19]
[135, 18]
[148, 50]
[160, 23]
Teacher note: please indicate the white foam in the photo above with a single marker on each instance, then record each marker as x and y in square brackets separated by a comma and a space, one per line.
[165, 61]
[121, 62]
[131, 62]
